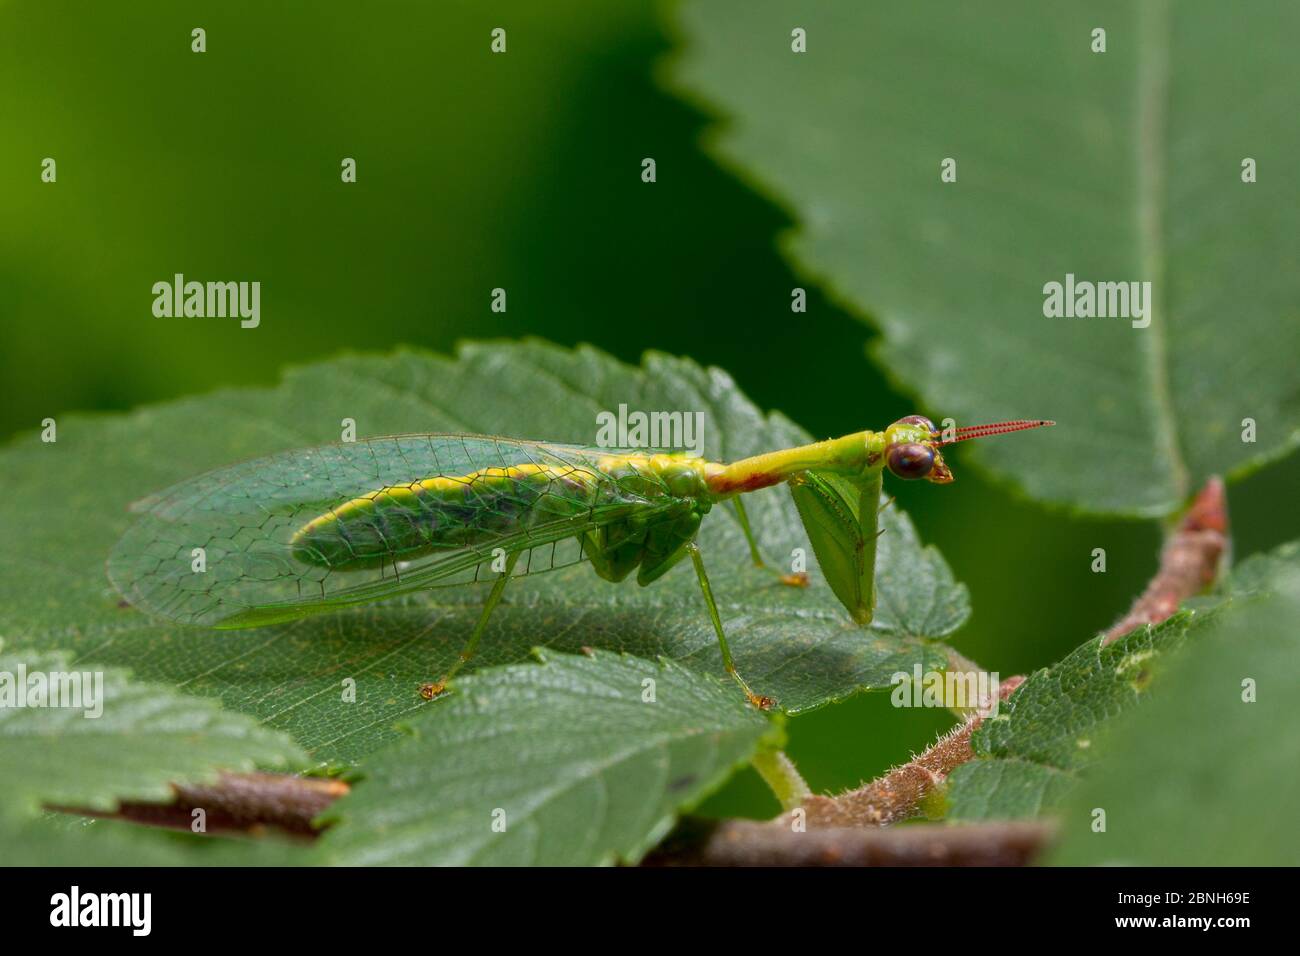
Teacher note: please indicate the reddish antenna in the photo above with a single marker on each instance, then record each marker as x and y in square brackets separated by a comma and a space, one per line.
[994, 428]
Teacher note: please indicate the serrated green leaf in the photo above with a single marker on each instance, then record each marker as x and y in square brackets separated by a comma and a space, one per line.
[1054, 724]
[1060, 720]
[111, 738]
[1054, 718]
[562, 763]
[1004, 789]
[66, 506]
[1117, 166]
[1200, 776]
[63, 840]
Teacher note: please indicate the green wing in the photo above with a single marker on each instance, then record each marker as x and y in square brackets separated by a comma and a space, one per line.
[244, 517]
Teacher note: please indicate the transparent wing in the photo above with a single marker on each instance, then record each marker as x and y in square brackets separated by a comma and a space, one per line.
[215, 550]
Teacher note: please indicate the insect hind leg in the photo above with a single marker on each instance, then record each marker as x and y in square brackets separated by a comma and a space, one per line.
[431, 690]
[758, 700]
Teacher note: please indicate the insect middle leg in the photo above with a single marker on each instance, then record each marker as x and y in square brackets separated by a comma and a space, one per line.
[758, 700]
[430, 691]
[743, 517]
[798, 579]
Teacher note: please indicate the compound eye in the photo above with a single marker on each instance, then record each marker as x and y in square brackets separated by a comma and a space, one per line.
[910, 460]
[917, 420]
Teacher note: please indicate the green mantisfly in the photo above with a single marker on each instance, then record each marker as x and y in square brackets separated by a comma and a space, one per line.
[309, 531]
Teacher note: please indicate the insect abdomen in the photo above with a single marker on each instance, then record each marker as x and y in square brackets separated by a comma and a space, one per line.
[403, 522]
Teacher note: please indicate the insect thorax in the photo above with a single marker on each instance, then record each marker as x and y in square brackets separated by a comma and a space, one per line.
[656, 476]
[652, 540]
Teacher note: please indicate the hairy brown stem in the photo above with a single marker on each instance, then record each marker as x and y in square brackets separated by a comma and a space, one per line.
[1189, 561]
[897, 795]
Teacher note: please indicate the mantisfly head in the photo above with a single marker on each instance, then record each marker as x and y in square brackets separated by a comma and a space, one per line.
[912, 444]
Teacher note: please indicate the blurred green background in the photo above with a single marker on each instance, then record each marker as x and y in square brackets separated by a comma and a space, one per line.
[474, 171]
